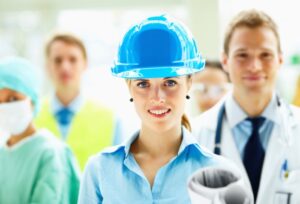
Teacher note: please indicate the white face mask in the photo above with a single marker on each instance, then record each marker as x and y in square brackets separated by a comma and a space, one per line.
[15, 117]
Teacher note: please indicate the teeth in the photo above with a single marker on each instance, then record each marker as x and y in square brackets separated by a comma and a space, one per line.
[159, 112]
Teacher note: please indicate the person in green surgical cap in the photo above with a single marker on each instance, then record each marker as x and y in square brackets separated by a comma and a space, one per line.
[35, 167]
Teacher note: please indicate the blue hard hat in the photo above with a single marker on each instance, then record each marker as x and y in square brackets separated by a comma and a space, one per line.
[158, 47]
[19, 75]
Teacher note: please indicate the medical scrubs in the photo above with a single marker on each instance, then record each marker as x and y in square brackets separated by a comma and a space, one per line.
[38, 169]
[114, 176]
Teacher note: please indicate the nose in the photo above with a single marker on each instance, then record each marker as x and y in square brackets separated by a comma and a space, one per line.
[65, 65]
[158, 95]
[256, 65]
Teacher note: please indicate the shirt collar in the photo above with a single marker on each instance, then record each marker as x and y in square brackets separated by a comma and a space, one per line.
[237, 114]
[272, 112]
[74, 106]
[187, 140]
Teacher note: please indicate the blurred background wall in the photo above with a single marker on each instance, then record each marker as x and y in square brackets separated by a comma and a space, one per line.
[25, 24]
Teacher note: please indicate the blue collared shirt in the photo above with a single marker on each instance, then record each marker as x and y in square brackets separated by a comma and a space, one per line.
[114, 176]
[74, 107]
[242, 128]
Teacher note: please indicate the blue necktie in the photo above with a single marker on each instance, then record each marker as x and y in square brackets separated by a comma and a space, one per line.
[254, 154]
[64, 116]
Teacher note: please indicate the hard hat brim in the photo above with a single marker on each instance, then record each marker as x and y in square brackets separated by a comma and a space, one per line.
[157, 72]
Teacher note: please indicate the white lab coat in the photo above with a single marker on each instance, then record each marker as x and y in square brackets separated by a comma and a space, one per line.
[272, 183]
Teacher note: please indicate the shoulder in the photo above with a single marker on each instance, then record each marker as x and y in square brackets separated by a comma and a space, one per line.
[49, 140]
[89, 103]
[205, 124]
[207, 119]
[212, 159]
[51, 147]
[107, 156]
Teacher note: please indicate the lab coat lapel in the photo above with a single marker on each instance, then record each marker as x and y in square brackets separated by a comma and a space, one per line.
[275, 155]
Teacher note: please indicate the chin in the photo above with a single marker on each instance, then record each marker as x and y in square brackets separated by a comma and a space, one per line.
[162, 126]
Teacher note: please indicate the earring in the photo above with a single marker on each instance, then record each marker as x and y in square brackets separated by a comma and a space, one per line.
[187, 97]
[131, 99]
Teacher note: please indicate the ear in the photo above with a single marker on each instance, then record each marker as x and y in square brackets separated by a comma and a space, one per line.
[47, 65]
[85, 65]
[224, 61]
[280, 58]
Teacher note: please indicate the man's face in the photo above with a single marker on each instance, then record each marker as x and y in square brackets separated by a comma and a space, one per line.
[209, 86]
[253, 60]
[66, 64]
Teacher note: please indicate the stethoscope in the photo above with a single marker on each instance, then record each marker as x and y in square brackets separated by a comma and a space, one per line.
[285, 120]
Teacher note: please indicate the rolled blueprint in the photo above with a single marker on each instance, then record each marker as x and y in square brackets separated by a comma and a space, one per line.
[216, 185]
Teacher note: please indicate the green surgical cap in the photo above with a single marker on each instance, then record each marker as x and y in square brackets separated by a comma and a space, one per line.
[19, 75]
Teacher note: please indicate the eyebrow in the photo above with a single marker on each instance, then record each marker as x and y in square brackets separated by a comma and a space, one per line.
[140, 79]
[240, 50]
[171, 77]
[245, 49]
[149, 79]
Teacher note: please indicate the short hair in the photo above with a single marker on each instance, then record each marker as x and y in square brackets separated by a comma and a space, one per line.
[216, 64]
[250, 19]
[66, 38]
[213, 63]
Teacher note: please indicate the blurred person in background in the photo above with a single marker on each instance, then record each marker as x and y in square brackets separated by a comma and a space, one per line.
[35, 167]
[209, 86]
[84, 124]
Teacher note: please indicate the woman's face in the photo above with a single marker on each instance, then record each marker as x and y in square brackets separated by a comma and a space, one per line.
[8, 96]
[160, 102]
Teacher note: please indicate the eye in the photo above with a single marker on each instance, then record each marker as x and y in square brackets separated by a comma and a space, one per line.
[170, 83]
[143, 84]
[242, 55]
[58, 60]
[266, 55]
[73, 60]
[12, 99]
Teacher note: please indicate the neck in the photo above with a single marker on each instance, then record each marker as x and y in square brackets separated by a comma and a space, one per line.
[17, 138]
[67, 96]
[253, 103]
[158, 143]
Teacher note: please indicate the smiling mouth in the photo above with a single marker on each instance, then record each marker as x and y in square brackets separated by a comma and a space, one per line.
[254, 78]
[159, 113]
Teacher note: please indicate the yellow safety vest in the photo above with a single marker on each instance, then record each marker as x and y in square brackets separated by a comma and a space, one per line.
[91, 129]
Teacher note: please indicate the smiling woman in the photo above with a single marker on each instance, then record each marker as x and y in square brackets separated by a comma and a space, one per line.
[157, 58]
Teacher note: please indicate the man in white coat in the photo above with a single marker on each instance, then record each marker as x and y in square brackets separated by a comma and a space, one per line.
[255, 128]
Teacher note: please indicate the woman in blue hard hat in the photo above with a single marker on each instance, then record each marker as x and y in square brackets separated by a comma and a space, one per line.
[34, 166]
[157, 58]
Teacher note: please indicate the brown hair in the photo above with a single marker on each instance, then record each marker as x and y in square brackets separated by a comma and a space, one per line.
[216, 64]
[185, 122]
[250, 19]
[66, 38]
